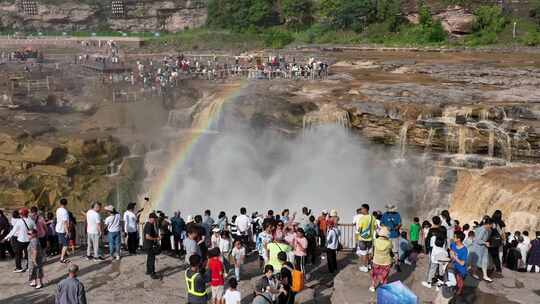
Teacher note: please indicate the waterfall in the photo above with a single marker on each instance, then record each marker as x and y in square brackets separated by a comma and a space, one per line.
[403, 139]
[450, 139]
[462, 140]
[429, 140]
[328, 114]
[113, 169]
[484, 114]
[491, 142]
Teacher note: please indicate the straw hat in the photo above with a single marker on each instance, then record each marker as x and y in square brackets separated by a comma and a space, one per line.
[333, 212]
[391, 207]
[109, 208]
[384, 231]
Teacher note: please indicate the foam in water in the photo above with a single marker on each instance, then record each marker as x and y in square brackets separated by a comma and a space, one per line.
[328, 169]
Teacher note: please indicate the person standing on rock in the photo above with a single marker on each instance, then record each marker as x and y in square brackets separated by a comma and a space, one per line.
[197, 280]
[112, 222]
[70, 290]
[94, 232]
[243, 225]
[479, 255]
[496, 240]
[366, 226]
[130, 229]
[62, 229]
[392, 220]
[382, 259]
[41, 226]
[151, 238]
[20, 231]
[332, 245]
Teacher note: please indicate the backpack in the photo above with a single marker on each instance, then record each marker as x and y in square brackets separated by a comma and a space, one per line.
[364, 234]
[297, 283]
[448, 292]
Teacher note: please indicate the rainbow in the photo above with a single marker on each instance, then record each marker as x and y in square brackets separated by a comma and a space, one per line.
[207, 118]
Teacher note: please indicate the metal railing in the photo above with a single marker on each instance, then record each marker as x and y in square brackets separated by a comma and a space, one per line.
[347, 235]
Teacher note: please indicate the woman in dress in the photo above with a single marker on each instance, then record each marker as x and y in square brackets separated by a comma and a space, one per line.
[479, 255]
[496, 239]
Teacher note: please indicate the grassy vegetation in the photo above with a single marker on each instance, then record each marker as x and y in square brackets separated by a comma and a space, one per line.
[204, 38]
[248, 24]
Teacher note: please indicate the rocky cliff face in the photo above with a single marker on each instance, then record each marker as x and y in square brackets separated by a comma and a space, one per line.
[513, 190]
[158, 15]
[39, 171]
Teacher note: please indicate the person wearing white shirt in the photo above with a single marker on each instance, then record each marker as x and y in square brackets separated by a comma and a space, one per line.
[21, 227]
[243, 224]
[112, 222]
[130, 228]
[93, 231]
[62, 228]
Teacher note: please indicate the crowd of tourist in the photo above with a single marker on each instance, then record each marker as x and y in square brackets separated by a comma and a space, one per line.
[166, 72]
[287, 245]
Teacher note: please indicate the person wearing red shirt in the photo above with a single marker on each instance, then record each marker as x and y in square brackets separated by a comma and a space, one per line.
[217, 274]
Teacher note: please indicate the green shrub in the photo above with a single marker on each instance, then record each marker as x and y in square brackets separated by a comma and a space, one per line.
[489, 18]
[277, 38]
[347, 14]
[531, 39]
[298, 14]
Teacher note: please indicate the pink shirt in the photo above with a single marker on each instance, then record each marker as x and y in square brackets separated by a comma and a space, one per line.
[300, 246]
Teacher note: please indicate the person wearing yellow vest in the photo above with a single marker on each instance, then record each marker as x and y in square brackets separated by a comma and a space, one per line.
[273, 249]
[197, 280]
[365, 236]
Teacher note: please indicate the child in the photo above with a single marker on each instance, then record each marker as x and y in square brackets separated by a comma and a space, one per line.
[217, 273]
[300, 244]
[72, 233]
[459, 255]
[52, 238]
[470, 239]
[214, 240]
[238, 254]
[36, 260]
[405, 247]
[447, 289]
[414, 232]
[225, 245]
[232, 296]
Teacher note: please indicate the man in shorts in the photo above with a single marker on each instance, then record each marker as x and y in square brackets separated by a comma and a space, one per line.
[62, 228]
[365, 235]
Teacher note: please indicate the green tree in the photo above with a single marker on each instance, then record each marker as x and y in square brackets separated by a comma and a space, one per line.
[388, 11]
[489, 18]
[347, 14]
[298, 14]
[241, 15]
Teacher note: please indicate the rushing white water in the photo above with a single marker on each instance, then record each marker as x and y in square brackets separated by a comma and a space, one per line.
[329, 169]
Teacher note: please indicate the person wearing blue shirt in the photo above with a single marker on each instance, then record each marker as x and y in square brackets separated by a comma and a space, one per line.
[459, 254]
[392, 220]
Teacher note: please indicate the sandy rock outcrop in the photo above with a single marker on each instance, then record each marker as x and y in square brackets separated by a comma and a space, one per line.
[513, 190]
[456, 20]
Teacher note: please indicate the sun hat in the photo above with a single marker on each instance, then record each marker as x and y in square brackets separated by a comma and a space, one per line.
[109, 208]
[189, 219]
[325, 211]
[384, 231]
[216, 229]
[391, 207]
[333, 212]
